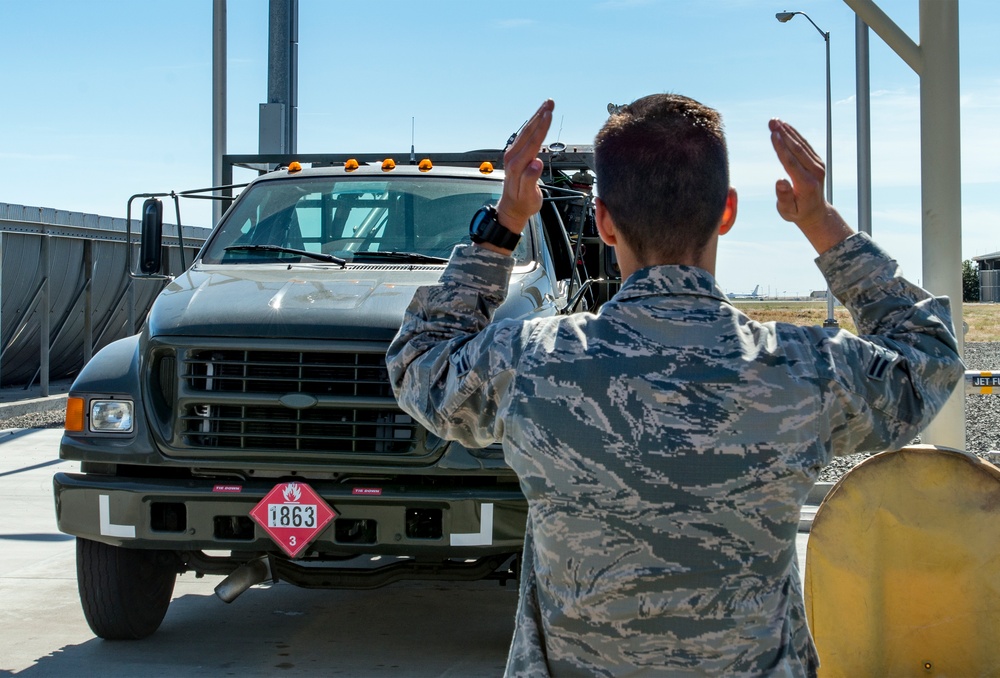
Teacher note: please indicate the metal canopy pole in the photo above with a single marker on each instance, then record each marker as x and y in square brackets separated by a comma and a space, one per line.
[864, 119]
[279, 116]
[1, 306]
[935, 61]
[219, 95]
[831, 319]
[88, 300]
[45, 310]
[941, 185]
[785, 17]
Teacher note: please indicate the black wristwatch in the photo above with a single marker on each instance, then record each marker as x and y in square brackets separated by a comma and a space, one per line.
[485, 227]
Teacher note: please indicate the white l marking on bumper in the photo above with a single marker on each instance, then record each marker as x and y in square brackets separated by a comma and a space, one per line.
[482, 538]
[109, 529]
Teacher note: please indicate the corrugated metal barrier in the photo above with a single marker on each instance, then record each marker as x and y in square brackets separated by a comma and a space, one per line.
[989, 285]
[74, 266]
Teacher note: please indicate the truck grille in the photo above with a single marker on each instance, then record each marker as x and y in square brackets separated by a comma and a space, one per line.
[307, 404]
[238, 371]
[276, 428]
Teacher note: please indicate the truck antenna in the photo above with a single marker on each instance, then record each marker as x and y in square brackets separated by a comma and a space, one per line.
[413, 152]
[513, 136]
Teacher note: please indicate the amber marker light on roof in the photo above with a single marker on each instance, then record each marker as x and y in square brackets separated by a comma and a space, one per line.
[74, 414]
[425, 165]
[388, 165]
[294, 166]
[486, 168]
[351, 165]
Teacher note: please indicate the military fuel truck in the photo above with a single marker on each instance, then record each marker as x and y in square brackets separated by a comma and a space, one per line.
[249, 429]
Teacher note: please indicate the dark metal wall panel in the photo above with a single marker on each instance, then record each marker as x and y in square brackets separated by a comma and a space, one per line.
[989, 286]
[23, 232]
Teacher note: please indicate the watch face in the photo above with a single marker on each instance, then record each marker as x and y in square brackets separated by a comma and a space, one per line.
[485, 227]
[481, 221]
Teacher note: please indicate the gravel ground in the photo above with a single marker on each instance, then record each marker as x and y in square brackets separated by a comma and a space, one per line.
[51, 419]
[982, 415]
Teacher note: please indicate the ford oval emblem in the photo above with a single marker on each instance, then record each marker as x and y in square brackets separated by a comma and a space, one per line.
[297, 401]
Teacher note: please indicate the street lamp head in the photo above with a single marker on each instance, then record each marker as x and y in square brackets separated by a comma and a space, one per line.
[785, 17]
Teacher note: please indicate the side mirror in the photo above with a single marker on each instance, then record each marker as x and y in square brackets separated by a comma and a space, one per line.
[152, 236]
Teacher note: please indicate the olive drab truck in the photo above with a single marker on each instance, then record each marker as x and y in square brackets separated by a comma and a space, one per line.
[249, 430]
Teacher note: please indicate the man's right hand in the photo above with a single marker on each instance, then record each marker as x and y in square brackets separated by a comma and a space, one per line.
[801, 200]
[522, 168]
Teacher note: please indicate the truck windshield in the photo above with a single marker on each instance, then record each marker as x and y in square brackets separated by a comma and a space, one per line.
[352, 218]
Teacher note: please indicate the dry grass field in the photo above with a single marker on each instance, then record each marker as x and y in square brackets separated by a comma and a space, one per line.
[983, 319]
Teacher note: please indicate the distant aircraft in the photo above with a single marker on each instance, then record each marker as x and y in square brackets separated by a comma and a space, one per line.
[755, 295]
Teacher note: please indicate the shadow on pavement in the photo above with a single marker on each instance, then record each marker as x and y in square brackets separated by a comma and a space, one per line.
[407, 629]
[38, 536]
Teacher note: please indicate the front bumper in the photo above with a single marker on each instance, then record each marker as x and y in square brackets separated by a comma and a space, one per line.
[207, 515]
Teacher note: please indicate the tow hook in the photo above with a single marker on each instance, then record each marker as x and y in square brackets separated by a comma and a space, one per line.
[248, 574]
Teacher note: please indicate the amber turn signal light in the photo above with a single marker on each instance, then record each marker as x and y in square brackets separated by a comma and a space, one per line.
[74, 414]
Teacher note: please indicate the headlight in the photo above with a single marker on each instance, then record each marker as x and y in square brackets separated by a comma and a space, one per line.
[111, 416]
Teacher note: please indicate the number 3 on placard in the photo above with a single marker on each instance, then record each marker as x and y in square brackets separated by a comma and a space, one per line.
[291, 540]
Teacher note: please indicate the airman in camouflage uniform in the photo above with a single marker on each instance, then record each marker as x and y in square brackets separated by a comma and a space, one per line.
[666, 444]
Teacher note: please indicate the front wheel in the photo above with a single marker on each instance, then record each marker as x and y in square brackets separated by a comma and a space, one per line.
[124, 592]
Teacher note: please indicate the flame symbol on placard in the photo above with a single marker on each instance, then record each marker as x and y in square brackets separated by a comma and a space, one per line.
[292, 492]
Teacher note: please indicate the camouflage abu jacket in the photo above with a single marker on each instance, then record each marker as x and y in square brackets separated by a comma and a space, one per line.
[666, 445]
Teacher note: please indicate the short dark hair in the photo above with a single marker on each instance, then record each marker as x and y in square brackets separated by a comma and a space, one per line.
[663, 174]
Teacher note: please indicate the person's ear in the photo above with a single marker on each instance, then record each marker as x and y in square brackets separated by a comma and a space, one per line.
[605, 224]
[728, 214]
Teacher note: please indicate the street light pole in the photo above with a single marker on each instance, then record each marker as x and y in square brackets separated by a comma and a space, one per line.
[784, 17]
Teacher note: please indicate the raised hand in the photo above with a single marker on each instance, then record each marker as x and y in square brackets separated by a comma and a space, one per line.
[522, 196]
[801, 200]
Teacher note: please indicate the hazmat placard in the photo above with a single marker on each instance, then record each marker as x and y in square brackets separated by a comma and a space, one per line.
[293, 515]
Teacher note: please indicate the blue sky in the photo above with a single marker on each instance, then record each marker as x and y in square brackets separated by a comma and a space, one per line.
[106, 98]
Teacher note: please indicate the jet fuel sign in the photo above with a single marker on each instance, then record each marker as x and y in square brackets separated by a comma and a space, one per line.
[292, 514]
[982, 383]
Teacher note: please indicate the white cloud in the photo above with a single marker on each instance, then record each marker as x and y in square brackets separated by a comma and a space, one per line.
[514, 23]
[40, 157]
[623, 4]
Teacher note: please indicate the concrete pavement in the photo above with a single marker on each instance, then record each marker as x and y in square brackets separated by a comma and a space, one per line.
[409, 629]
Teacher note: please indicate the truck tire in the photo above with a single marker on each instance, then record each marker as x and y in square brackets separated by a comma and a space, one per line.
[124, 592]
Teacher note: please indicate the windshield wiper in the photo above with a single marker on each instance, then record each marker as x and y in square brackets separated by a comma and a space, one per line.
[290, 250]
[414, 257]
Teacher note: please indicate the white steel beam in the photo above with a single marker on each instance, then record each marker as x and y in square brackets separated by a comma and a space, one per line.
[935, 60]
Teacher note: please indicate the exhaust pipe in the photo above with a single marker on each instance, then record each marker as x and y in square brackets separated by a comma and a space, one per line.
[243, 577]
